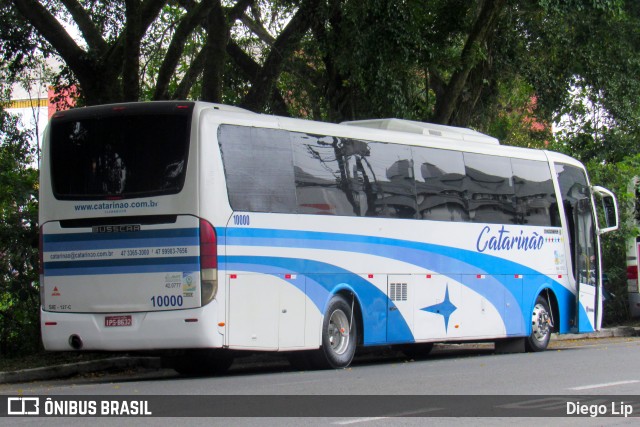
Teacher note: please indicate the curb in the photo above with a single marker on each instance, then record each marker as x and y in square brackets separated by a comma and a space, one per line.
[121, 363]
[619, 331]
[71, 369]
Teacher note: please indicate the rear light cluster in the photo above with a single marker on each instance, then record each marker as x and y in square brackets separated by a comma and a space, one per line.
[208, 262]
[632, 272]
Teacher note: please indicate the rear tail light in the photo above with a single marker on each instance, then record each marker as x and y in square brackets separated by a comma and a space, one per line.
[632, 272]
[208, 262]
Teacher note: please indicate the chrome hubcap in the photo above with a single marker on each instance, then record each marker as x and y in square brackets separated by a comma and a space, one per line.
[338, 332]
[540, 323]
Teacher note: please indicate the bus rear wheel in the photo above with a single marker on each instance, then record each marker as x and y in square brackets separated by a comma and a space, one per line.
[339, 336]
[540, 326]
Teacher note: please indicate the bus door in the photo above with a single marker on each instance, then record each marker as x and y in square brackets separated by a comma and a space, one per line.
[586, 267]
[584, 229]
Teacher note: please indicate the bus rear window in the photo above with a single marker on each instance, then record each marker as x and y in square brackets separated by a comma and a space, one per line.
[119, 153]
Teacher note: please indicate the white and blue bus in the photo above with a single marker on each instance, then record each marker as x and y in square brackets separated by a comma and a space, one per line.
[202, 230]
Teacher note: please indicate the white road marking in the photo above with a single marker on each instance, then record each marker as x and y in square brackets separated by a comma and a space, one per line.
[588, 387]
[359, 420]
[400, 414]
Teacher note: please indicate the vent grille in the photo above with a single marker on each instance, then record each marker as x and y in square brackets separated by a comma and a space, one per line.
[398, 291]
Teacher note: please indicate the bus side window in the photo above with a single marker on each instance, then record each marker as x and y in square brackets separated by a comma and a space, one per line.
[322, 186]
[439, 178]
[489, 188]
[258, 164]
[535, 199]
[389, 171]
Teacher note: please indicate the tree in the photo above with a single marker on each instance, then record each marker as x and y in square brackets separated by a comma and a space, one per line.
[445, 61]
[107, 65]
[19, 299]
[455, 62]
[582, 63]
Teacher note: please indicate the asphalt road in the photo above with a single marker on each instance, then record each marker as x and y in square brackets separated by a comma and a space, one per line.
[590, 370]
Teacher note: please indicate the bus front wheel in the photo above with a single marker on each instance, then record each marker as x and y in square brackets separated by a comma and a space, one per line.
[540, 326]
[339, 335]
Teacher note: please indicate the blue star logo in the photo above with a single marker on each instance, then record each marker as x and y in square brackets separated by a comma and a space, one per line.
[445, 308]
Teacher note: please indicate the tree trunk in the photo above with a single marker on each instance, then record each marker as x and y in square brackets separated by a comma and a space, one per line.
[264, 83]
[131, 57]
[481, 31]
[215, 51]
[176, 47]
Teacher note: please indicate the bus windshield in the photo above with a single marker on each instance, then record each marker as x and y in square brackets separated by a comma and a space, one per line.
[120, 153]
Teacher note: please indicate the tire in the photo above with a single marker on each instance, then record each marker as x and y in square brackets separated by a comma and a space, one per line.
[202, 363]
[339, 336]
[540, 326]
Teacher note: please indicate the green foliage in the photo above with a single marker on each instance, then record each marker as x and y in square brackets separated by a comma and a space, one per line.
[154, 48]
[16, 42]
[513, 116]
[617, 177]
[19, 295]
[589, 131]
[378, 58]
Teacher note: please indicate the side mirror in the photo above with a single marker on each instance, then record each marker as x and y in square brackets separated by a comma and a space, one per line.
[607, 209]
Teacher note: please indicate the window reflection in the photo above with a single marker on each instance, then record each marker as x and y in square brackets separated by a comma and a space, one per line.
[388, 170]
[258, 165]
[440, 185]
[349, 177]
[121, 155]
[323, 184]
[488, 188]
[535, 198]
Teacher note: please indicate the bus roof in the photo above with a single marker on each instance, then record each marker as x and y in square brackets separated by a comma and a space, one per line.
[415, 133]
[424, 128]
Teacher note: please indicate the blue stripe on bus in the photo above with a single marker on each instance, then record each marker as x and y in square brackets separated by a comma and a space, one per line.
[142, 234]
[134, 269]
[119, 244]
[585, 325]
[440, 259]
[325, 281]
[122, 266]
[139, 239]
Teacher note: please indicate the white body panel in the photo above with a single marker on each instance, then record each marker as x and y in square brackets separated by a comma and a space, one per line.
[414, 280]
[149, 331]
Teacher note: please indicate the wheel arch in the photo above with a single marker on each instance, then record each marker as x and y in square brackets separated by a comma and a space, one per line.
[350, 295]
[548, 294]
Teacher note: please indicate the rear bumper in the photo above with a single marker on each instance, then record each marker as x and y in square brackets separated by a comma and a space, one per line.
[175, 329]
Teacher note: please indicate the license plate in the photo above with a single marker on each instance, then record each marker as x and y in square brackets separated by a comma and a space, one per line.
[111, 321]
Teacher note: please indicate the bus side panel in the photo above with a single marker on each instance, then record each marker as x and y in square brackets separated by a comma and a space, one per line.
[437, 304]
[267, 312]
